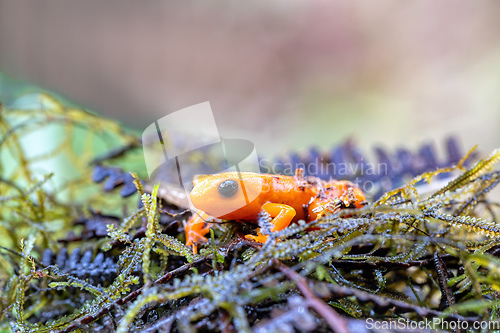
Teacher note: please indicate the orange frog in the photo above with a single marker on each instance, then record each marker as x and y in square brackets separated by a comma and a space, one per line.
[243, 195]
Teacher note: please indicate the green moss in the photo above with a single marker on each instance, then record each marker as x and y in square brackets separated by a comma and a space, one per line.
[404, 255]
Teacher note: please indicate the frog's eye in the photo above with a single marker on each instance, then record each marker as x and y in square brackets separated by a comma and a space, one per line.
[228, 188]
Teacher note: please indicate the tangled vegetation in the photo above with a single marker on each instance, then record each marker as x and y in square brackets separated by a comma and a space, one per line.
[404, 256]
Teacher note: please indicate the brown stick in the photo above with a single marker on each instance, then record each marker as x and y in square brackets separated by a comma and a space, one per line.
[335, 321]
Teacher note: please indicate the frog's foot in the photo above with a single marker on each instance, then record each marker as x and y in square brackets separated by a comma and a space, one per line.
[196, 228]
[193, 239]
[260, 238]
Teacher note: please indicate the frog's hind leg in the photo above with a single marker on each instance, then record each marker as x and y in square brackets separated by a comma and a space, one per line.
[282, 217]
[350, 194]
[323, 207]
[337, 195]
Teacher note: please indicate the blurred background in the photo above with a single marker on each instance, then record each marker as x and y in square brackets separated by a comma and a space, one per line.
[286, 75]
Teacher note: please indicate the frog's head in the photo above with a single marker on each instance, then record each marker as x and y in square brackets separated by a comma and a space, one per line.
[221, 194]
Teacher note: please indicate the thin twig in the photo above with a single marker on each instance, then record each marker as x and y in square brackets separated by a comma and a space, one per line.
[334, 320]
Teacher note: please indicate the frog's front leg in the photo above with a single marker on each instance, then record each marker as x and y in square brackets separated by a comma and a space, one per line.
[196, 228]
[282, 217]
